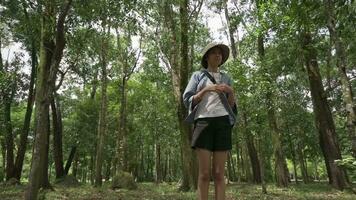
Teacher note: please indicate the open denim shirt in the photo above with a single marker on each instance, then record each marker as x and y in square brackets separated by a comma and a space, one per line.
[197, 82]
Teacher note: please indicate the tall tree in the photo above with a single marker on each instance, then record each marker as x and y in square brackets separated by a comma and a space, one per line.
[129, 65]
[52, 45]
[33, 49]
[323, 117]
[281, 170]
[249, 139]
[102, 126]
[341, 64]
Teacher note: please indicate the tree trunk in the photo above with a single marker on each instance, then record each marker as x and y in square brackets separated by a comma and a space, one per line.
[280, 162]
[102, 117]
[70, 160]
[57, 137]
[50, 57]
[158, 168]
[255, 163]
[181, 74]
[323, 117]
[45, 179]
[238, 162]
[121, 146]
[303, 168]
[75, 165]
[234, 50]
[261, 144]
[42, 101]
[9, 140]
[3, 153]
[345, 81]
[26, 127]
[91, 169]
[295, 168]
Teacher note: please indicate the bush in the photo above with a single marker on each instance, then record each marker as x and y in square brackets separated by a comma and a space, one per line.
[348, 163]
[123, 180]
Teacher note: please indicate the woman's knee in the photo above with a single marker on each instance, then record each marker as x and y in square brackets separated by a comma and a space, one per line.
[204, 176]
[218, 175]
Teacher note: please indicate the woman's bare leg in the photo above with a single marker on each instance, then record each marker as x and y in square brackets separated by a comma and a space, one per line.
[219, 159]
[204, 161]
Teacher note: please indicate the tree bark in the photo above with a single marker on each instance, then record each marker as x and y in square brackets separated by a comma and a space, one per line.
[30, 101]
[234, 49]
[50, 56]
[158, 168]
[102, 117]
[255, 163]
[345, 81]
[70, 160]
[323, 117]
[190, 177]
[45, 179]
[303, 168]
[26, 127]
[57, 137]
[9, 140]
[280, 162]
[248, 137]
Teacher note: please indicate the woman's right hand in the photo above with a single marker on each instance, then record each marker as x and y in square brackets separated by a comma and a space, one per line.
[214, 88]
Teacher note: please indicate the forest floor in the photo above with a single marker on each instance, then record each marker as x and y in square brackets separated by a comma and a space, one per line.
[166, 191]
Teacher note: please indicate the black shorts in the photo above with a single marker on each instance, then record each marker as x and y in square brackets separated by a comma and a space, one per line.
[213, 134]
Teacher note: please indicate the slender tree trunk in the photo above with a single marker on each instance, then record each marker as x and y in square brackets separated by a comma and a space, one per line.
[158, 168]
[295, 168]
[280, 162]
[91, 168]
[30, 101]
[345, 81]
[121, 146]
[255, 163]
[189, 162]
[102, 118]
[57, 137]
[323, 117]
[75, 165]
[262, 164]
[70, 159]
[26, 127]
[248, 137]
[9, 140]
[234, 50]
[45, 178]
[238, 163]
[303, 168]
[3, 153]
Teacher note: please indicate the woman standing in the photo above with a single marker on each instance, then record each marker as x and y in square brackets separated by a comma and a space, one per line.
[210, 100]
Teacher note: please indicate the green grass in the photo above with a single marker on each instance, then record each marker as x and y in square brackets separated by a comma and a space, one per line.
[165, 191]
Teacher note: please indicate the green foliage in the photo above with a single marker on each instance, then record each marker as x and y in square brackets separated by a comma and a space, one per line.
[349, 163]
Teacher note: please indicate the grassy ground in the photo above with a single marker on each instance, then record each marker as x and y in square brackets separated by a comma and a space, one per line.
[164, 191]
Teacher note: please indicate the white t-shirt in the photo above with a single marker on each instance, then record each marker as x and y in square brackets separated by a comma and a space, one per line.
[210, 105]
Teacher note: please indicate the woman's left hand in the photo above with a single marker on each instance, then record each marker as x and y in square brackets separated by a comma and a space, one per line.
[225, 88]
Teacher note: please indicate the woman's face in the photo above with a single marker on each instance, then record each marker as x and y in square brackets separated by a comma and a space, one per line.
[214, 57]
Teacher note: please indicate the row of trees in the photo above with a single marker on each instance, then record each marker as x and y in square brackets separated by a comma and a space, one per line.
[292, 62]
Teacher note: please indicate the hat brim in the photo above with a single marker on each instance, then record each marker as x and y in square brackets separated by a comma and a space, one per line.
[224, 49]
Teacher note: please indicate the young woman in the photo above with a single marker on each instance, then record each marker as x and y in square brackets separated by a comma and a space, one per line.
[211, 106]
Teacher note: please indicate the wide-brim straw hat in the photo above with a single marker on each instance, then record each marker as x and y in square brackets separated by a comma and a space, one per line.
[224, 49]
